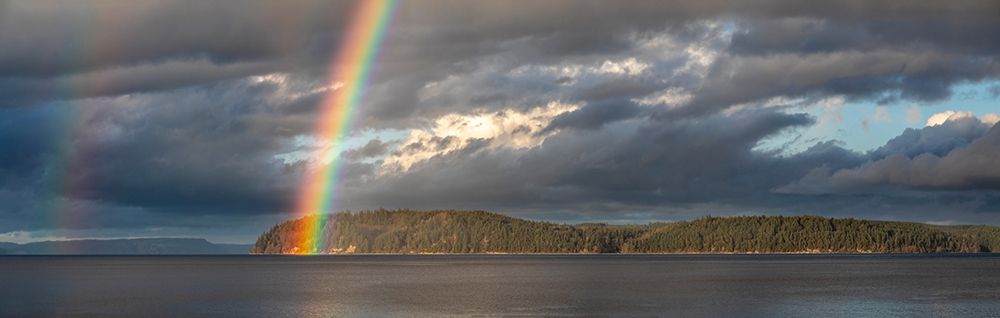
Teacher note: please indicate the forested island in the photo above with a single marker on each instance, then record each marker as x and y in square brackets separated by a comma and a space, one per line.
[413, 232]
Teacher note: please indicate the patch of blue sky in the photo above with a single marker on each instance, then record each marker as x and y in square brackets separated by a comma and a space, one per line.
[303, 146]
[864, 126]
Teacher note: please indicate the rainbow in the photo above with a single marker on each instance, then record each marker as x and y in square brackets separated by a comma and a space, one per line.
[350, 70]
[70, 170]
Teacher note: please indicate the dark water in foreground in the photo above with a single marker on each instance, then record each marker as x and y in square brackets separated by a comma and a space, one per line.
[575, 285]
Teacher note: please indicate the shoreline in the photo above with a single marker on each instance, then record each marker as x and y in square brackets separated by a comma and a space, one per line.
[516, 254]
[623, 254]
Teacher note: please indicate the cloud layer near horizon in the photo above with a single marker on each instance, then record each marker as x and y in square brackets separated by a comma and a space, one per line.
[115, 117]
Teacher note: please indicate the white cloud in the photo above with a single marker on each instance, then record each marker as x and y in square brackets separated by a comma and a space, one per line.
[671, 97]
[629, 66]
[290, 88]
[508, 128]
[17, 237]
[990, 119]
[942, 117]
[949, 115]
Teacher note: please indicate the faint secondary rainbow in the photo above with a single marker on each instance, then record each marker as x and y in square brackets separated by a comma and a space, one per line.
[350, 70]
[70, 170]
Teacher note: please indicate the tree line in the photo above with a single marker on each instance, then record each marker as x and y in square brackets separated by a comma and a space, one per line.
[407, 231]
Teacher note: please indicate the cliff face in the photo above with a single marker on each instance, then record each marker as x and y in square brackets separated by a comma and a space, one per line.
[404, 231]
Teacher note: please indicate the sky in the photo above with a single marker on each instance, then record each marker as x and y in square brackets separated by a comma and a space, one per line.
[197, 118]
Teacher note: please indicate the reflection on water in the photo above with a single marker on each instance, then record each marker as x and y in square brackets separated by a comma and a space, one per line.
[574, 285]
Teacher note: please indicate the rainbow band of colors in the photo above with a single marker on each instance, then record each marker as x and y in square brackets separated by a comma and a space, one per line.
[350, 70]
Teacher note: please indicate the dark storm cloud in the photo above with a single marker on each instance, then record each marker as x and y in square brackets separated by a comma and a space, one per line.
[188, 157]
[856, 75]
[144, 78]
[595, 115]
[432, 37]
[619, 89]
[51, 38]
[815, 35]
[165, 152]
[45, 42]
[24, 148]
[154, 104]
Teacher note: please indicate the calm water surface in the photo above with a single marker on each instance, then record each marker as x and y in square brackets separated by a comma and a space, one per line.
[477, 285]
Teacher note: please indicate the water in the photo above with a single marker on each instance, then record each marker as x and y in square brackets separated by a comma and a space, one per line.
[480, 285]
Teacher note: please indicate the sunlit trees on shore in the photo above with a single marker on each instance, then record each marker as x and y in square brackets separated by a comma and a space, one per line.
[406, 231]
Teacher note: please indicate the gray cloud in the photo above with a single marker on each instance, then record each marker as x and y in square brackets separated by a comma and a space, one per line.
[638, 162]
[152, 114]
[163, 151]
[936, 160]
[122, 81]
[937, 140]
[596, 115]
[818, 34]
[374, 148]
[857, 75]
[425, 45]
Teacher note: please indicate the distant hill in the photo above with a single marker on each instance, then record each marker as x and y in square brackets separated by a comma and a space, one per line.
[144, 246]
[404, 231]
